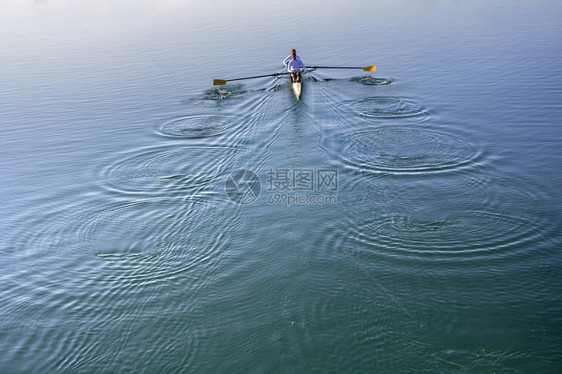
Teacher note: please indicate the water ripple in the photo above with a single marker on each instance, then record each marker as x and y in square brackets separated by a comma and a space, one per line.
[197, 126]
[385, 107]
[464, 236]
[407, 149]
[166, 170]
[369, 80]
[444, 220]
[230, 91]
[108, 270]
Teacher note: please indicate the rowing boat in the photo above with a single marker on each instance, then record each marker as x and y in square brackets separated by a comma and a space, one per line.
[297, 88]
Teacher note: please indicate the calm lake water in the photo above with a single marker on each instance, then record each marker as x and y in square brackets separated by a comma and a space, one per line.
[405, 220]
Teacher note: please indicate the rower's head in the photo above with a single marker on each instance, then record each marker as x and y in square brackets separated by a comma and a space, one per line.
[294, 53]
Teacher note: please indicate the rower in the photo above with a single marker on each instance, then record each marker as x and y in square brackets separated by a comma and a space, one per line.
[294, 65]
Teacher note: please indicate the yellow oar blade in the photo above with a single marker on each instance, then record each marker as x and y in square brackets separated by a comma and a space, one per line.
[370, 68]
[219, 82]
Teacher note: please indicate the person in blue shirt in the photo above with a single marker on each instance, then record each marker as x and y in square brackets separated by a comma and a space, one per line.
[294, 65]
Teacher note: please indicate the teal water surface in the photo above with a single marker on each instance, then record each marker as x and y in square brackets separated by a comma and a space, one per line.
[405, 220]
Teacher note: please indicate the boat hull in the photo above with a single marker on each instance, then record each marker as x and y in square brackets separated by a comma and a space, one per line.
[297, 88]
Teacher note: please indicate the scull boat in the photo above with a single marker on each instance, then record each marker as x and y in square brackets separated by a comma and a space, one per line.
[295, 86]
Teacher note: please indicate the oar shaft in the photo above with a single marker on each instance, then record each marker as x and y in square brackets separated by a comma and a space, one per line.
[364, 68]
[256, 76]
[219, 82]
[334, 67]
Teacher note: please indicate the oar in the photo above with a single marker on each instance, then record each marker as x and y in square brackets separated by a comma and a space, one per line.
[365, 68]
[220, 82]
